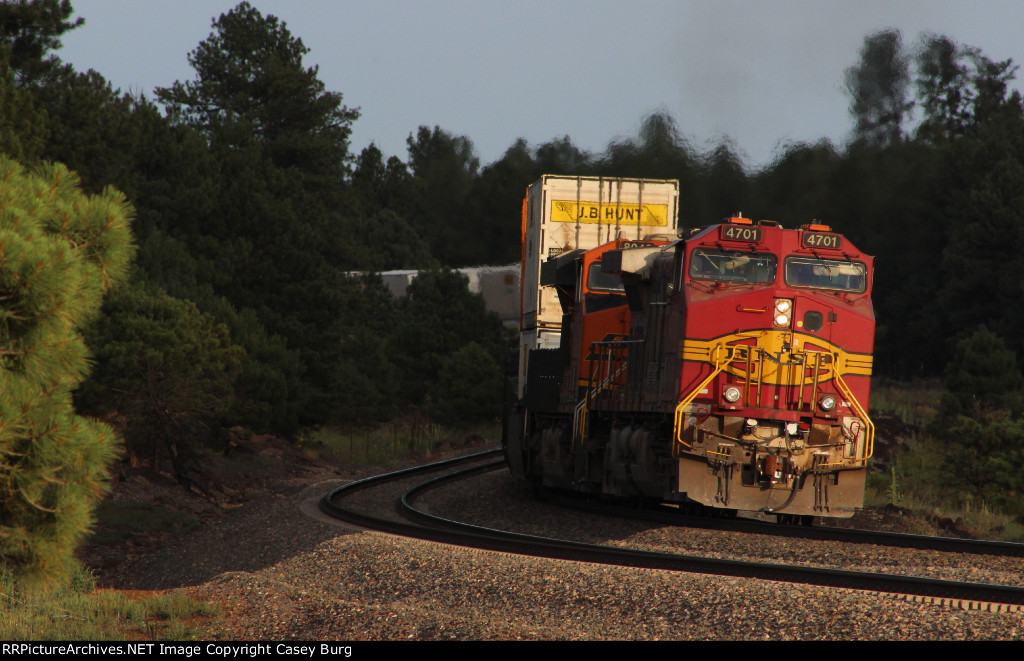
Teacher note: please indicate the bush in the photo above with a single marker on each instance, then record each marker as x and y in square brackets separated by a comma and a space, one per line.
[468, 389]
[168, 369]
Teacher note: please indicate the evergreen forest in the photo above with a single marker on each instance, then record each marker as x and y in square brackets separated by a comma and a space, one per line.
[246, 294]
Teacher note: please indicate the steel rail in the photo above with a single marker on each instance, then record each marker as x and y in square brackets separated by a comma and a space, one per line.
[668, 515]
[329, 505]
[440, 529]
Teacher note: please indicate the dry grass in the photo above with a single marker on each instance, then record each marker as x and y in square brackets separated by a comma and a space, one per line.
[78, 611]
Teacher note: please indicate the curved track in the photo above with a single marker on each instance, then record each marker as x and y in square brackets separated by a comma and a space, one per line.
[432, 527]
[670, 516]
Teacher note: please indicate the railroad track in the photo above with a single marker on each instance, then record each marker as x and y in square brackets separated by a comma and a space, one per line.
[414, 522]
[672, 516]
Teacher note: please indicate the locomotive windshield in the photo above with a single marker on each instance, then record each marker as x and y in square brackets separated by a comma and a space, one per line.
[598, 280]
[732, 266]
[833, 274]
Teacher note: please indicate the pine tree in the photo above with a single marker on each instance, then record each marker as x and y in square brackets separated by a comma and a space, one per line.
[444, 167]
[59, 251]
[878, 87]
[251, 86]
[277, 238]
[29, 30]
[23, 131]
[168, 368]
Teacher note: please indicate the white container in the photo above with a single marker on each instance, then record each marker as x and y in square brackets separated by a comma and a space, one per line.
[563, 213]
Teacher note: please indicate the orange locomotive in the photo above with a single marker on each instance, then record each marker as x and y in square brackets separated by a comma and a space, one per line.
[728, 370]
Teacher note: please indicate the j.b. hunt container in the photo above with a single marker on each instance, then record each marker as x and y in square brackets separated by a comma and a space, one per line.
[561, 214]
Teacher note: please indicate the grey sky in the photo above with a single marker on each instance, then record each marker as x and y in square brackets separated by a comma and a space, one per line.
[762, 73]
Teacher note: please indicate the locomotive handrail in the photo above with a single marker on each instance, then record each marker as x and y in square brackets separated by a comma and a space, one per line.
[579, 418]
[731, 356]
[579, 421]
[798, 361]
[818, 361]
[869, 435]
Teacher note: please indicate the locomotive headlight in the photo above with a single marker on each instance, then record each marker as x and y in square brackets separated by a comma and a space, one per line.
[731, 394]
[783, 312]
[827, 403]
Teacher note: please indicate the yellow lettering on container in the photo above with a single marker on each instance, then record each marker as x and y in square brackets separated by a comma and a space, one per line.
[609, 213]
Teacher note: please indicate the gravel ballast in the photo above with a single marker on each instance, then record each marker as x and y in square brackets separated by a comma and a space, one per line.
[283, 572]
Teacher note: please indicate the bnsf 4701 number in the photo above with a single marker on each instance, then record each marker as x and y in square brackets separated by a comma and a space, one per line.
[822, 240]
[741, 233]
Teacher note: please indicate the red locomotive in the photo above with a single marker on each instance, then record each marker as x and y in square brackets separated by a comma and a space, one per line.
[729, 369]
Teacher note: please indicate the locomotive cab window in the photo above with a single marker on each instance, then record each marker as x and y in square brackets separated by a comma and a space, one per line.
[598, 280]
[604, 290]
[832, 274]
[732, 266]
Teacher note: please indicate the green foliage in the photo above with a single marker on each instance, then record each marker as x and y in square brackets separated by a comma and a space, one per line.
[275, 237]
[89, 125]
[469, 388]
[878, 86]
[390, 243]
[29, 30]
[366, 379]
[251, 85]
[168, 369]
[559, 156]
[393, 443]
[383, 445]
[982, 459]
[727, 184]
[947, 466]
[979, 433]
[379, 185]
[986, 240]
[23, 129]
[800, 183]
[913, 404]
[960, 88]
[983, 377]
[60, 251]
[444, 167]
[269, 392]
[658, 152]
[942, 83]
[246, 205]
[439, 316]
